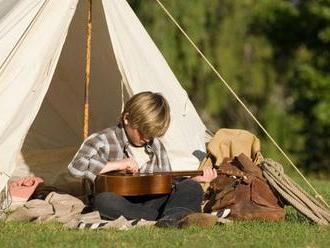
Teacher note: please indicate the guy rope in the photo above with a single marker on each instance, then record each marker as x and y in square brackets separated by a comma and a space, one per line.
[317, 195]
[294, 194]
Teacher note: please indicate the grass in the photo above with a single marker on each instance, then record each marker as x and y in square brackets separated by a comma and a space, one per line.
[295, 231]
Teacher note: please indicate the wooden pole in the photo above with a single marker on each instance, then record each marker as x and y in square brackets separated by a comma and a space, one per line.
[87, 71]
[85, 183]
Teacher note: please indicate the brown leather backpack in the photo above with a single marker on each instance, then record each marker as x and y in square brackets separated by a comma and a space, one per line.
[248, 197]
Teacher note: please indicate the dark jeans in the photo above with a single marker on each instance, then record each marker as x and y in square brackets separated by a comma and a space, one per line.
[185, 198]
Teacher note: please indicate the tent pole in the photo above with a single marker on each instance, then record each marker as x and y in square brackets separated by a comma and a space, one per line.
[87, 70]
[85, 184]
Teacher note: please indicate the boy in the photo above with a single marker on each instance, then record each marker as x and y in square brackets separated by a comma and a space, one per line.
[133, 145]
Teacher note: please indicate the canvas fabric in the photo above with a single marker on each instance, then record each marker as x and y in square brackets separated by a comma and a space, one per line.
[68, 210]
[228, 143]
[42, 75]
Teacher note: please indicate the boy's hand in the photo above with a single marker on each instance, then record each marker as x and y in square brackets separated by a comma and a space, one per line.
[130, 165]
[127, 164]
[209, 174]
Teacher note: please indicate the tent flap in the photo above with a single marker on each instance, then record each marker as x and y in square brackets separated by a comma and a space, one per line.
[42, 58]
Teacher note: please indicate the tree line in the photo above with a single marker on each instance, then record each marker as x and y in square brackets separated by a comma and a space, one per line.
[274, 54]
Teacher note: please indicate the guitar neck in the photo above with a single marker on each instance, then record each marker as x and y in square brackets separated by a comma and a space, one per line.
[184, 173]
[193, 173]
[200, 172]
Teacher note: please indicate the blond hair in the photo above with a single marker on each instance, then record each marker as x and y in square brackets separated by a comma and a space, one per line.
[148, 112]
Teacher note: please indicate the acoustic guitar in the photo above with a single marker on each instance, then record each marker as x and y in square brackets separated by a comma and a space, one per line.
[145, 184]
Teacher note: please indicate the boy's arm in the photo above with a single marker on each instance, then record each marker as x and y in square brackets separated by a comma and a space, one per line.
[127, 164]
[91, 157]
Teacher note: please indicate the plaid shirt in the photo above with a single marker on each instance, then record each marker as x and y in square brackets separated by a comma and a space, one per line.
[112, 144]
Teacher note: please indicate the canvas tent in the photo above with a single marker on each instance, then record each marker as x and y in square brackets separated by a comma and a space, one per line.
[42, 59]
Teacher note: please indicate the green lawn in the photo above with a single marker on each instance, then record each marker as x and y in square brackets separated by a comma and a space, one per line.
[295, 231]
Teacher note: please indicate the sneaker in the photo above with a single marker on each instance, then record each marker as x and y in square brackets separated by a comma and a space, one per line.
[223, 213]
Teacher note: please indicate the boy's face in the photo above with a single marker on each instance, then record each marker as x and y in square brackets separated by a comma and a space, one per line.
[134, 136]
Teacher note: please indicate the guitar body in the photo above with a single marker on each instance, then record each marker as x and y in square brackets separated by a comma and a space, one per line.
[134, 185]
[145, 184]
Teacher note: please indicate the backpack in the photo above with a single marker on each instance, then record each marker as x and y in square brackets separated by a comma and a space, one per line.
[248, 197]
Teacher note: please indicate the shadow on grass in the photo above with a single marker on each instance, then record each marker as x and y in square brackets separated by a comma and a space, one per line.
[293, 216]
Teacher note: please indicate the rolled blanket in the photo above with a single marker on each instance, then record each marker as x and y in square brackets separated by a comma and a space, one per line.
[21, 190]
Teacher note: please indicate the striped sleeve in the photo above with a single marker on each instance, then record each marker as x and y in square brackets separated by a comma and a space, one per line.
[164, 162]
[91, 157]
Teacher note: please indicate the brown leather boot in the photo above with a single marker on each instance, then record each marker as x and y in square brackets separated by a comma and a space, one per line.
[198, 219]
